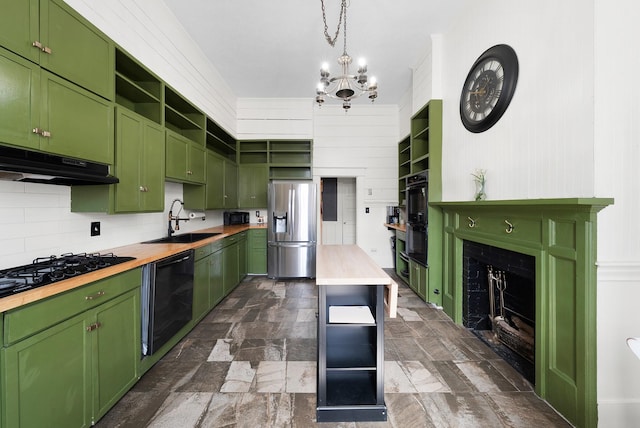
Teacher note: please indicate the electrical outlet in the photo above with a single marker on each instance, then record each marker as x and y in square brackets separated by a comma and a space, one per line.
[257, 213]
[95, 228]
[366, 210]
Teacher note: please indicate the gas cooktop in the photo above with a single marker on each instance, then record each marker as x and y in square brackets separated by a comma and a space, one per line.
[47, 270]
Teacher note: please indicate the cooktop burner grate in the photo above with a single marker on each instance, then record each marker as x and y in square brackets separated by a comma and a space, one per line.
[46, 270]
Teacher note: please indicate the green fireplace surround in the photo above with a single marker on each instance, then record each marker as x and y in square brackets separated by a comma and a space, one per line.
[561, 235]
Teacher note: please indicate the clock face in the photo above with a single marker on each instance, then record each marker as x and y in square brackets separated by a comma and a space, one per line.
[489, 87]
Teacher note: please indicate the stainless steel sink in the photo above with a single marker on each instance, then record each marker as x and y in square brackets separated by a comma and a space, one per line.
[185, 238]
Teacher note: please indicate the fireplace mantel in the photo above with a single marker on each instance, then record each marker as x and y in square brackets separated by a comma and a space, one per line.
[561, 235]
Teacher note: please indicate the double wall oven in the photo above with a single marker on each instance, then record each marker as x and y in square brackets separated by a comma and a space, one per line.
[417, 221]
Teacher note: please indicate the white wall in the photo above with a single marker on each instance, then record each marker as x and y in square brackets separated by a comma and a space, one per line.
[617, 153]
[570, 131]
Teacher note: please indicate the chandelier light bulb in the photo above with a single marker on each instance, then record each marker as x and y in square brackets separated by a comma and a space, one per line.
[324, 66]
[373, 84]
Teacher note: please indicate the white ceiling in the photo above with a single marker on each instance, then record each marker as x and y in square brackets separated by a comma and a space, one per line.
[274, 48]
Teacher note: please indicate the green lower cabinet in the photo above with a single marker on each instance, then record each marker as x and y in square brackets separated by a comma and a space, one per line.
[418, 278]
[216, 278]
[79, 368]
[242, 256]
[402, 266]
[257, 252]
[230, 266]
[72, 372]
[117, 348]
[201, 280]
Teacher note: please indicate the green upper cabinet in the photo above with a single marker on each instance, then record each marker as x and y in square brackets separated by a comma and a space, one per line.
[19, 95]
[185, 160]
[139, 164]
[230, 185]
[253, 180]
[221, 188]
[20, 27]
[80, 124]
[52, 34]
[42, 111]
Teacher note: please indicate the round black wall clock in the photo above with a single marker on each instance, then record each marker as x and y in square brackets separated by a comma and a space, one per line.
[489, 87]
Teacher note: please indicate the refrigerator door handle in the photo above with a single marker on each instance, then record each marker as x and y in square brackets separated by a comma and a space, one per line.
[292, 195]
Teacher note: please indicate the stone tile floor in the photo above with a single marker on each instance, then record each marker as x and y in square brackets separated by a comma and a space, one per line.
[252, 363]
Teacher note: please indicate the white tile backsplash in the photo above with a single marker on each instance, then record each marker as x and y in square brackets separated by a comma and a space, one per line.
[36, 221]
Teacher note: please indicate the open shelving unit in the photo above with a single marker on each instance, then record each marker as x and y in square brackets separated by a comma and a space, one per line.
[137, 88]
[286, 159]
[351, 353]
[220, 141]
[182, 117]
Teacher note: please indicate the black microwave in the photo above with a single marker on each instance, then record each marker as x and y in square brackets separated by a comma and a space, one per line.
[236, 217]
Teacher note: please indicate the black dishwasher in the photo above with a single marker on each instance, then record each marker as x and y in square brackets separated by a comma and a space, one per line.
[167, 299]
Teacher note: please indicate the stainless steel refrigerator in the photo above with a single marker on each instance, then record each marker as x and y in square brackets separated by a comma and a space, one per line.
[291, 237]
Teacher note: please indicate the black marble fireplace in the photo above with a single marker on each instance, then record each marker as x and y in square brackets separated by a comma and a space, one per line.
[499, 302]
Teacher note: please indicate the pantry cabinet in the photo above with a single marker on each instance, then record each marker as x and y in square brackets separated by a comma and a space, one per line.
[78, 352]
[51, 34]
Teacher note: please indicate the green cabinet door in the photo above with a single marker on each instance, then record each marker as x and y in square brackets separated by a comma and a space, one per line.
[19, 99]
[116, 350]
[253, 180]
[47, 377]
[139, 163]
[185, 160]
[201, 285]
[215, 181]
[257, 251]
[80, 123]
[242, 256]
[79, 52]
[19, 27]
[216, 283]
[230, 185]
[52, 34]
[230, 269]
[196, 165]
[418, 278]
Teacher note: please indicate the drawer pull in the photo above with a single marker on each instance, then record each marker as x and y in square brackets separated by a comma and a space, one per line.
[509, 228]
[95, 296]
[93, 326]
[472, 222]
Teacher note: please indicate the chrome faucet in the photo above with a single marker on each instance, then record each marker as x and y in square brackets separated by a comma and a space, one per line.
[177, 217]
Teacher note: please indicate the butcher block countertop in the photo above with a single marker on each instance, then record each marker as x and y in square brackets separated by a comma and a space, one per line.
[144, 253]
[350, 265]
[347, 265]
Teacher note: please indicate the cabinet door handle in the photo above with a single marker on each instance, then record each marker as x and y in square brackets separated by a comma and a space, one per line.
[189, 172]
[95, 296]
[41, 132]
[43, 48]
[472, 222]
[93, 326]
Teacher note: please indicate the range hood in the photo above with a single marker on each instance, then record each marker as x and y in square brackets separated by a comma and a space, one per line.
[34, 167]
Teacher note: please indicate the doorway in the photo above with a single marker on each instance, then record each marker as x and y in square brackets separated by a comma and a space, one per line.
[338, 210]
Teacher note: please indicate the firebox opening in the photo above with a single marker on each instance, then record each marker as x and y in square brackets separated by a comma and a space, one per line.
[499, 304]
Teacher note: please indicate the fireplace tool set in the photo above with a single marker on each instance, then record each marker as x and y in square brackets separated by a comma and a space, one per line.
[510, 329]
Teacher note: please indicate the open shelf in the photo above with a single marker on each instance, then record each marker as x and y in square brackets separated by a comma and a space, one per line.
[220, 141]
[137, 88]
